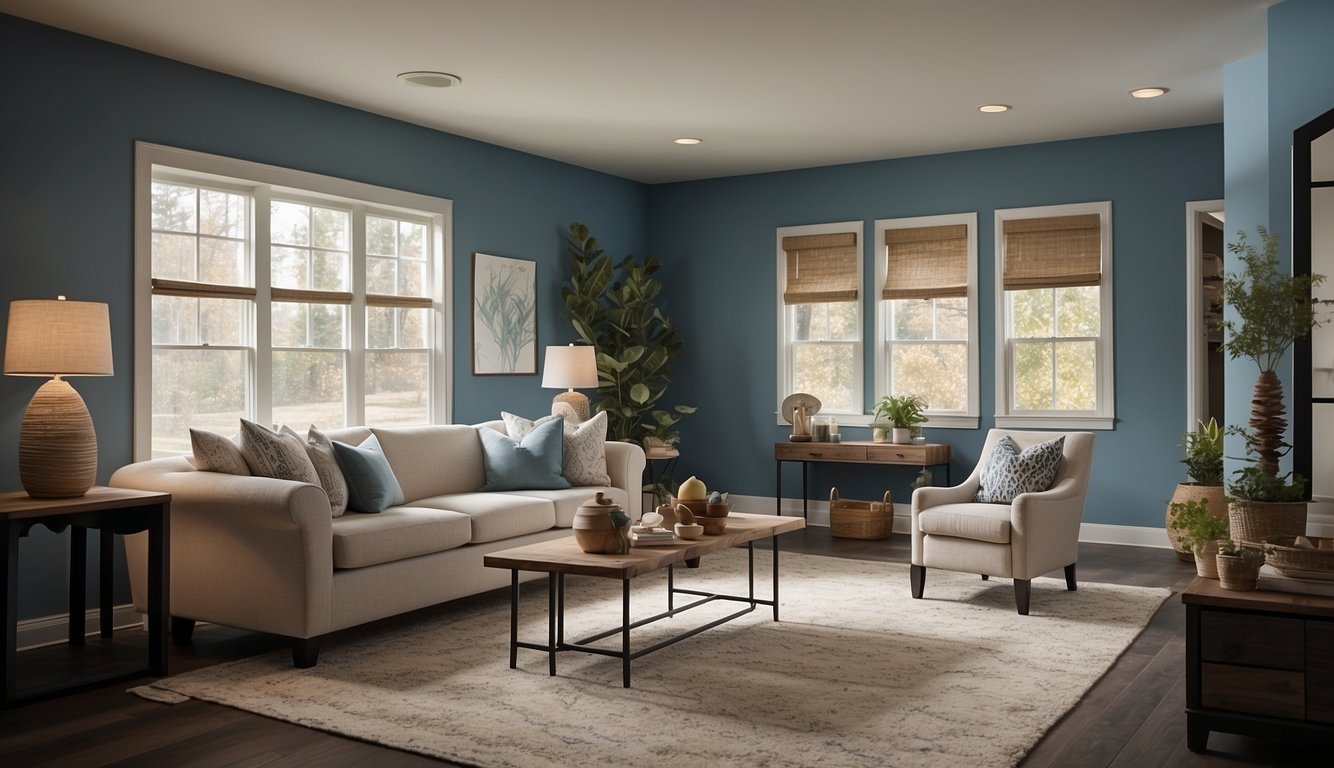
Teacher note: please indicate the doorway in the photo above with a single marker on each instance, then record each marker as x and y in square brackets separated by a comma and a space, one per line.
[1204, 310]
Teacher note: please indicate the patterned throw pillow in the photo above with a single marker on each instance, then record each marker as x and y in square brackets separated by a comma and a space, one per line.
[269, 454]
[215, 453]
[585, 460]
[320, 450]
[1011, 472]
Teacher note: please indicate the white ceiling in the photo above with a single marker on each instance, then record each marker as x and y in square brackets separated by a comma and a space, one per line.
[767, 84]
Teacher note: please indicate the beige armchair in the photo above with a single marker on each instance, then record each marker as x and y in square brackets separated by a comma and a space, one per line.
[1034, 534]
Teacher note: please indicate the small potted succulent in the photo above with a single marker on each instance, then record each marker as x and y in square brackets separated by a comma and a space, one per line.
[1239, 565]
[1201, 531]
[901, 413]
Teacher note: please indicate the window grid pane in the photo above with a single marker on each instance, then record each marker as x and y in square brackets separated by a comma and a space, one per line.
[827, 370]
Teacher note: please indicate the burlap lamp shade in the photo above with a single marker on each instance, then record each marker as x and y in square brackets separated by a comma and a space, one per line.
[57, 338]
[571, 368]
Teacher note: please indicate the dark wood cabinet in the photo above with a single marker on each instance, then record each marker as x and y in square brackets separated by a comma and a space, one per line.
[1257, 663]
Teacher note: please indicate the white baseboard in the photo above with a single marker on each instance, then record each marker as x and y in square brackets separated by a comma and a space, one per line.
[52, 630]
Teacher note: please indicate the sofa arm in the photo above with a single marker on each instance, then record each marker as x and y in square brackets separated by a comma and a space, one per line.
[248, 552]
[625, 465]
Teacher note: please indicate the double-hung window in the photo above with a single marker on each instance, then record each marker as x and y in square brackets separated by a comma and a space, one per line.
[820, 338]
[283, 297]
[1054, 324]
[927, 267]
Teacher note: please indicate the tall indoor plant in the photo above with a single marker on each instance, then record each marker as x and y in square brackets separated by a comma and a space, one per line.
[1204, 467]
[613, 307]
[1273, 308]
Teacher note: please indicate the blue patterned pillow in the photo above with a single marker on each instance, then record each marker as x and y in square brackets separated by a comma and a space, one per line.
[1012, 472]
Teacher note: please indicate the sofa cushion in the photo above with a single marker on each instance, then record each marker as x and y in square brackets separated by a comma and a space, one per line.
[269, 454]
[215, 453]
[585, 458]
[396, 533]
[371, 485]
[568, 500]
[497, 516]
[975, 521]
[531, 463]
[434, 460]
[1011, 472]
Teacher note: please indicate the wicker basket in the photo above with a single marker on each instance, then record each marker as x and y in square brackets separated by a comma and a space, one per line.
[1251, 522]
[853, 519]
[1317, 561]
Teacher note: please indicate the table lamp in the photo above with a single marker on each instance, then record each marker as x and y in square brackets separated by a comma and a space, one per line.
[570, 368]
[57, 443]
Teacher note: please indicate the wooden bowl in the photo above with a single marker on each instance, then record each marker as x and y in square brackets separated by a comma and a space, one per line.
[696, 506]
[712, 525]
[717, 510]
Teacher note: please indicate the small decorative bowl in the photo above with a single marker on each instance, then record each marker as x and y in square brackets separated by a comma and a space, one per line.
[718, 510]
[689, 532]
[713, 526]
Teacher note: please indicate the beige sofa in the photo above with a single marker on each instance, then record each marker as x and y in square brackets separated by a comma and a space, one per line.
[267, 555]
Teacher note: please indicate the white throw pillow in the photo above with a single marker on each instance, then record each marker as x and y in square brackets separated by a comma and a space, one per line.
[585, 446]
[269, 454]
[215, 453]
[319, 448]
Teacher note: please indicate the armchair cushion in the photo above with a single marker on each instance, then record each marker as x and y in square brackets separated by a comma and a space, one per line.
[1012, 472]
[975, 521]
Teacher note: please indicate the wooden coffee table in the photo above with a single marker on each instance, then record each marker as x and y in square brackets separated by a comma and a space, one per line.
[559, 557]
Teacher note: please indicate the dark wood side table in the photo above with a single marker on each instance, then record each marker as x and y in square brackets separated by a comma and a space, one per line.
[922, 455]
[110, 511]
[1258, 663]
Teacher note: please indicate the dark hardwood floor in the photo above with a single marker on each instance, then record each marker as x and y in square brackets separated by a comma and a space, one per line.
[1134, 716]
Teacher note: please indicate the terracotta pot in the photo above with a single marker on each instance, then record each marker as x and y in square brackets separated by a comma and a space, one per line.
[1217, 504]
[1254, 521]
[1206, 560]
[1238, 573]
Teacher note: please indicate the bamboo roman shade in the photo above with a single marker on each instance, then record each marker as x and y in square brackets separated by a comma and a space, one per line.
[1053, 252]
[821, 268]
[926, 263]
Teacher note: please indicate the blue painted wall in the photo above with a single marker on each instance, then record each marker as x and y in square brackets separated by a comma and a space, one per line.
[717, 237]
[73, 108]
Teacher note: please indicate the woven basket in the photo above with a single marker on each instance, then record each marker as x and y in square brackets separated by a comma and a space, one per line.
[1251, 522]
[1290, 559]
[853, 519]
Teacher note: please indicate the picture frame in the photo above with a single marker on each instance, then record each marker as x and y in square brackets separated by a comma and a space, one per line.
[504, 316]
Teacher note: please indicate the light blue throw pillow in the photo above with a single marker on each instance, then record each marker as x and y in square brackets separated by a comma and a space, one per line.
[371, 485]
[531, 465]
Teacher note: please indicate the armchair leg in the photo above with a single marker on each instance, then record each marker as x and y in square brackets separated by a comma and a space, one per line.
[182, 630]
[305, 652]
[917, 576]
[1070, 578]
[1022, 589]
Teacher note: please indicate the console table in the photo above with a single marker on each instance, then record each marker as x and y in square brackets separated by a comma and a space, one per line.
[923, 455]
[110, 511]
[1257, 663]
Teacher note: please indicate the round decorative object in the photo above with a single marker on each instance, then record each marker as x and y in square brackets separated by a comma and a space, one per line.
[689, 532]
[57, 444]
[1215, 501]
[1206, 560]
[1238, 573]
[713, 526]
[600, 527]
[692, 489]
[1254, 521]
[651, 520]
[791, 402]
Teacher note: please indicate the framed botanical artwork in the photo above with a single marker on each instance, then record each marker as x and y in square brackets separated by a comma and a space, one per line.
[504, 316]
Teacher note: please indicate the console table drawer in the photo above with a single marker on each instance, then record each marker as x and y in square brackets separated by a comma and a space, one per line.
[1272, 692]
[1275, 642]
[1320, 671]
[909, 454]
[819, 452]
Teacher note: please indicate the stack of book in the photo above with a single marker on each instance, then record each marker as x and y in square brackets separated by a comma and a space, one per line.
[1272, 578]
[653, 537]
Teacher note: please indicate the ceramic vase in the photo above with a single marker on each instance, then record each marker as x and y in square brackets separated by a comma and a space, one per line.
[1206, 559]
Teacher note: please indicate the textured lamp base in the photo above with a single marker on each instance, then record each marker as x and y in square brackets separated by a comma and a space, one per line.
[576, 400]
[57, 444]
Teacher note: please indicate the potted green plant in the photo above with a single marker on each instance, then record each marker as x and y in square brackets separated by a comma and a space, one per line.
[901, 413]
[1273, 309]
[1239, 565]
[1200, 530]
[1204, 467]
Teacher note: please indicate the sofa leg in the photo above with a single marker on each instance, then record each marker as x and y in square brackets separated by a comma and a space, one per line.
[182, 630]
[985, 577]
[1070, 578]
[1022, 589]
[917, 577]
[305, 652]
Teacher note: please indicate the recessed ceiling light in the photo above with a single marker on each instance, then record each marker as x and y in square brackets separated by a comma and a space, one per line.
[994, 108]
[687, 140]
[427, 79]
[1148, 93]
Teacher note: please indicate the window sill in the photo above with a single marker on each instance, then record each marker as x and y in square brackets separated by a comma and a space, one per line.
[1056, 422]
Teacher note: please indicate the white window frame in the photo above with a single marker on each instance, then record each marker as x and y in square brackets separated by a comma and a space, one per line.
[784, 377]
[262, 182]
[1104, 416]
[970, 416]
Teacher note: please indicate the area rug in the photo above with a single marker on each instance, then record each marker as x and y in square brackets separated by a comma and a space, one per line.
[856, 673]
